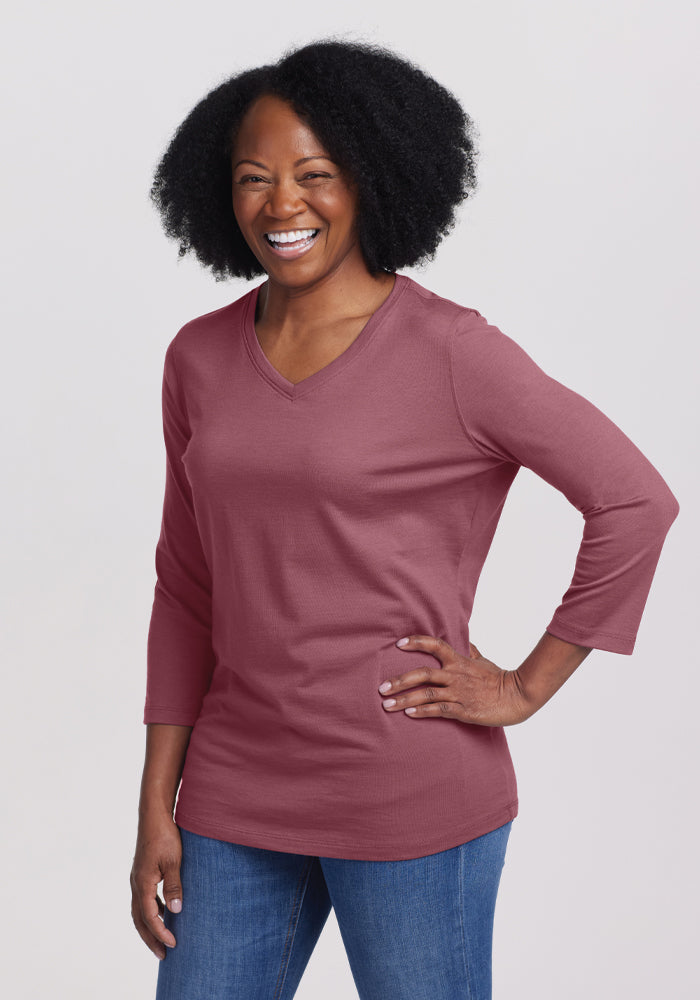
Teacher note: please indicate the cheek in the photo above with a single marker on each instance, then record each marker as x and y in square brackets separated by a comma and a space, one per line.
[243, 216]
[243, 220]
[238, 209]
[245, 204]
[341, 212]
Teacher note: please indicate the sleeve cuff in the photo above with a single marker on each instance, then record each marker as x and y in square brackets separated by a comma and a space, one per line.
[169, 716]
[609, 641]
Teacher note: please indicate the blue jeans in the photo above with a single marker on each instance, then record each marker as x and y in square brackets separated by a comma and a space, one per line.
[419, 929]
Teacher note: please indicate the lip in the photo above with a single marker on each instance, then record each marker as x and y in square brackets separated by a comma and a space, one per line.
[287, 252]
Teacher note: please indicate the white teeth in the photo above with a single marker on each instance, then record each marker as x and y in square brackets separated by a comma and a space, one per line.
[291, 236]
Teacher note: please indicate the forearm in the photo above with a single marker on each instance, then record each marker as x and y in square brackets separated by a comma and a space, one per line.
[166, 747]
[546, 668]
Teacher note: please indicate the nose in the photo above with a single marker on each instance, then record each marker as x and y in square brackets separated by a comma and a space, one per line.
[284, 200]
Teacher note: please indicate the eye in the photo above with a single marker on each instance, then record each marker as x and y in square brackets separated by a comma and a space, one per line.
[250, 179]
[314, 175]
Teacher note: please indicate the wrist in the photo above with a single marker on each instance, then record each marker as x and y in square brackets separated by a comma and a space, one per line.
[156, 802]
[154, 815]
[526, 700]
[548, 666]
[166, 748]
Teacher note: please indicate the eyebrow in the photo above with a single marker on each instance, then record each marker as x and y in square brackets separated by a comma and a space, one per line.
[297, 163]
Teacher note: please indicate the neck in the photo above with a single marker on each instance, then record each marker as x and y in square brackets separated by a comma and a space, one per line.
[347, 291]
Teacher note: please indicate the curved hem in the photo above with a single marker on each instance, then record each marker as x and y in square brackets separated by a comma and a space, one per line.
[317, 848]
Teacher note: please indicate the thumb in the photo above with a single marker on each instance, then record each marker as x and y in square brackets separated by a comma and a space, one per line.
[172, 886]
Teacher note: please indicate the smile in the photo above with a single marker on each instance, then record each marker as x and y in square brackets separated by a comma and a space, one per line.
[291, 243]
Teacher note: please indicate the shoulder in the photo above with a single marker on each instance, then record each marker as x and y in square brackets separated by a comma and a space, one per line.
[207, 330]
[463, 331]
[437, 314]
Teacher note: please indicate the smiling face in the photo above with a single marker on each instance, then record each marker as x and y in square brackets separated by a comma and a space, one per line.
[294, 206]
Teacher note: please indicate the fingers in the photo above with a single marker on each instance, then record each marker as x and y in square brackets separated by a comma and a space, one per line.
[432, 644]
[145, 914]
[419, 675]
[172, 888]
[414, 702]
[437, 699]
[423, 674]
[148, 909]
[435, 646]
[438, 709]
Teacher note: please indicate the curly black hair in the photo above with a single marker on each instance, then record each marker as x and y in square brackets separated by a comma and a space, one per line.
[403, 138]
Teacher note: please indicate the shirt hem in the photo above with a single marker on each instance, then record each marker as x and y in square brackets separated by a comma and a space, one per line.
[342, 849]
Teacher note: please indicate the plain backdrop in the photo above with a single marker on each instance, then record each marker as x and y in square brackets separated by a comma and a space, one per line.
[580, 243]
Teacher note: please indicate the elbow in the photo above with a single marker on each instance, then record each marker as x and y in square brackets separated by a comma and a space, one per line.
[661, 510]
[674, 509]
[668, 507]
[643, 520]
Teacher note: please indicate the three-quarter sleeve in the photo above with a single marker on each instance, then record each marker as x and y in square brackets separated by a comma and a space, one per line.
[180, 658]
[513, 412]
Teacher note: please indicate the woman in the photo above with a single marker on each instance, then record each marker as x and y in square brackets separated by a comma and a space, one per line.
[340, 442]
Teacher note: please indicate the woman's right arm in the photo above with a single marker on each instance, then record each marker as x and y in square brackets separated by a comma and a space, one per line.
[180, 663]
[158, 847]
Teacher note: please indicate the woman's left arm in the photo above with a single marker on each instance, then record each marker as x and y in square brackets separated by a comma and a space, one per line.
[512, 412]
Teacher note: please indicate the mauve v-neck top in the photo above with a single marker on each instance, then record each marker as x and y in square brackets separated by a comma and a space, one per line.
[306, 527]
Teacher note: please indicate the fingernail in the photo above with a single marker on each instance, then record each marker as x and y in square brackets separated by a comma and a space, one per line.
[175, 905]
[386, 686]
[402, 642]
[389, 702]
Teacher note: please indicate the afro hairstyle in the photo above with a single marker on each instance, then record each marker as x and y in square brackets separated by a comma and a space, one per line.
[403, 138]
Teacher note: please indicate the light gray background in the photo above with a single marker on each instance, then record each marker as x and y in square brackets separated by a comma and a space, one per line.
[580, 244]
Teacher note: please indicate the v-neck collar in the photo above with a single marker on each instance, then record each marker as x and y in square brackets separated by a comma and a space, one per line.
[294, 390]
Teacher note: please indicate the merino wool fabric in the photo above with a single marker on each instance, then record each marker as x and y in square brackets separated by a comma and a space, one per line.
[306, 527]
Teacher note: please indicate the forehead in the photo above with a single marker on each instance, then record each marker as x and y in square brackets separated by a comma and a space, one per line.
[271, 127]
